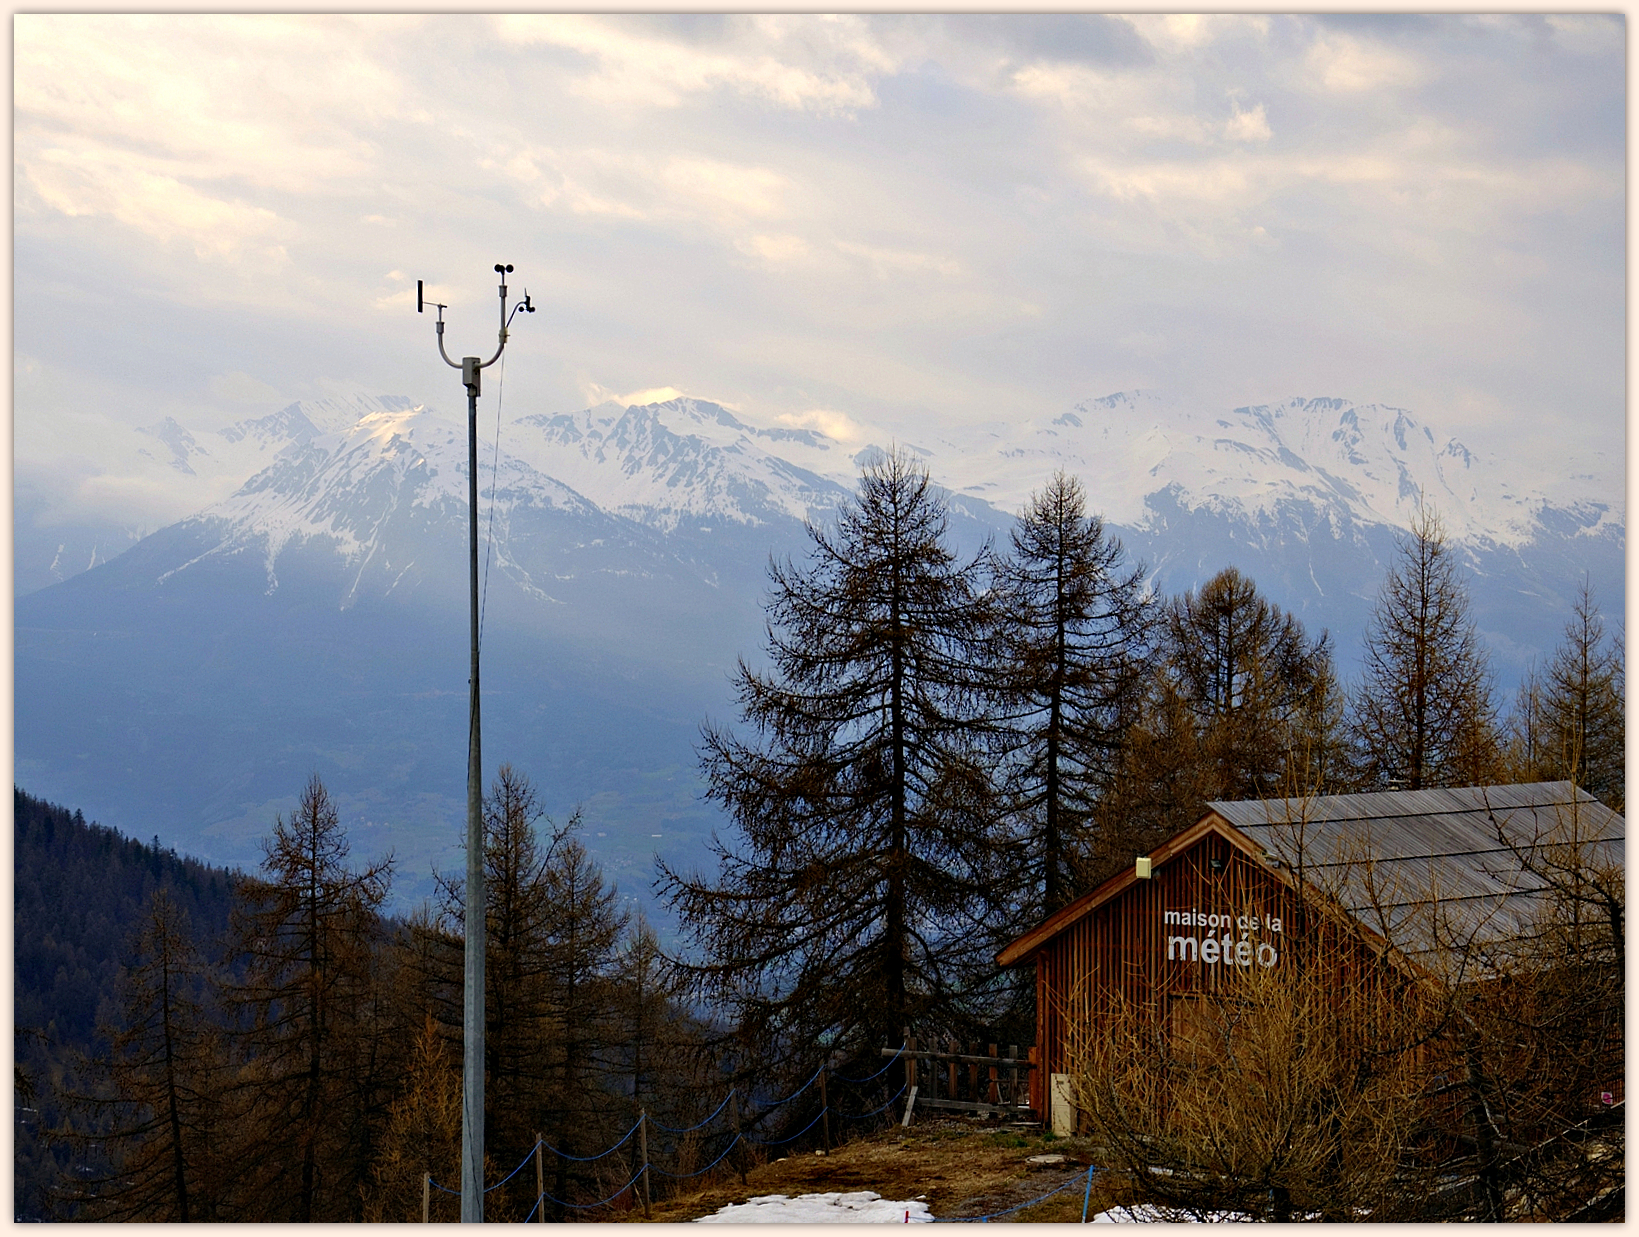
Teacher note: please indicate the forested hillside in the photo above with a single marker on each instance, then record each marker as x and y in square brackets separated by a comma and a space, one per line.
[196, 1044]
[78, 890]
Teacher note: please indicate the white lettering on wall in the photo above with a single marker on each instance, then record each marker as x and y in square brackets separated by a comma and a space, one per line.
[1219, 944]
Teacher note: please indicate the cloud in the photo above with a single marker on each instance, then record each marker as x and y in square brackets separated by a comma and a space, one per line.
[652, 395]
[243, 389]
[822, 65]
[894, 217]
[641, 187]
[281, 101]
[885, 263]
[1354, 66]
[1248, 126]
[775, 250]
[122, 186]
[833, 424]
[1176, 32]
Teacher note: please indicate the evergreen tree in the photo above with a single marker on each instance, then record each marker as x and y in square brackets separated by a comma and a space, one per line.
[422, 1136]
[309, 937]
[1252, 678]
[552, 927]
[580, 1113]
[1580, 722]
[155, 1105]
[1074, 651]
[865, 896]
[1242, 704]
[1423, 715]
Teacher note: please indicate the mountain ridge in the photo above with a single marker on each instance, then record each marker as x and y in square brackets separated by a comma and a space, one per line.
[315, 618]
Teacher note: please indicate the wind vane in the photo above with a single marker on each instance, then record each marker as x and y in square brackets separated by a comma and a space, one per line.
[472, 1084]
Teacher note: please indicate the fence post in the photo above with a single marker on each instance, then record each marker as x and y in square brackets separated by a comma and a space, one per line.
[910, 1058]
[540, 1180]
[643, 1151]
[1033, 1083]
[739, 1144]
[426, 1198]
[825, 1112]
[954, 1070]
[994, 1094]
[1013, 1077]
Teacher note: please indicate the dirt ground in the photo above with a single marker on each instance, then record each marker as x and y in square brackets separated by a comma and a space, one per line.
[960, 1168]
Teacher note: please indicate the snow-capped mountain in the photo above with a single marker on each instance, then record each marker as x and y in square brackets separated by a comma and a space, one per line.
[229, 455]
[346, 469]
[166, 470]
[1308, 495]
[364, 488]
[687, 462]
[1356, 465]
[312, 614]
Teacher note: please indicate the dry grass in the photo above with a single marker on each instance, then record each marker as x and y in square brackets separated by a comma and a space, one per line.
[959, 1168]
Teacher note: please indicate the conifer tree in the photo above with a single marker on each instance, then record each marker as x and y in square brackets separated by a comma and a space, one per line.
[551, 929]
[586, 929]
[648, 988]
[1242, 704]
[311, 1090]
[522, 919]
[155, 1103]
[1424, 715]
[1164, 780]
[864, 896]
[1582, 730]
[1074, 646]
[1252, 678]
[422, 1136]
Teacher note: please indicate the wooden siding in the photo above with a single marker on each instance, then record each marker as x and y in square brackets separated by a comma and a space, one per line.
[1234, 865]
[1121, 944]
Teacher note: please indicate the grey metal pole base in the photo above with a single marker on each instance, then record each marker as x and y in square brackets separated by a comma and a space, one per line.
[472, 1065]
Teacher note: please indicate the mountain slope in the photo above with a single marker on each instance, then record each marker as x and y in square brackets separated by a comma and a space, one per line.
[315, 618]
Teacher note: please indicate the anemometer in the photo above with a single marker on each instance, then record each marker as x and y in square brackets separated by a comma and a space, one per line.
[470, 365]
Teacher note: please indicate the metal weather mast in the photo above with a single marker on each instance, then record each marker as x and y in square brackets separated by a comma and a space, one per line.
[472, 1052]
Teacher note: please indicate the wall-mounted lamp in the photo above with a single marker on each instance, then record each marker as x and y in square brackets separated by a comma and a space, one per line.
[1216, 864]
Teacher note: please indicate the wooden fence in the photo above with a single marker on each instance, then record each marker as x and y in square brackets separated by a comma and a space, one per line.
[962, 1077]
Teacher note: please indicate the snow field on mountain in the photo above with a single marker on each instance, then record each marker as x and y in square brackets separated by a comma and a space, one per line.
[692, 460]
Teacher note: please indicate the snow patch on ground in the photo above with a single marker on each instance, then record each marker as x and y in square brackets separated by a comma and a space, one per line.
[861, 1207]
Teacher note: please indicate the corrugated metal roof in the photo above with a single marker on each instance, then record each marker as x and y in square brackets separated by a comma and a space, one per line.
[1397, 859]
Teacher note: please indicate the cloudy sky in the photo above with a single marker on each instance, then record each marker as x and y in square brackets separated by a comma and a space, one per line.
[853, 221]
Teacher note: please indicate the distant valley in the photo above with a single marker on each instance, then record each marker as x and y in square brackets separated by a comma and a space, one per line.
[311, 615]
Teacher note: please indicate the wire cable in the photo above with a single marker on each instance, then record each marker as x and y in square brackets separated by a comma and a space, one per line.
[776, 1103]
[494, 470]
[601, 1202]
[698, 1171]
[528, 1155]
[588, 1158]
[690, 1129]
[1091, 1169]
[880, 1072]
[859, 1116]
[775, 1142]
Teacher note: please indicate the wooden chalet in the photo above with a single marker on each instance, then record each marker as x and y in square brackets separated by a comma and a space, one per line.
[1244, 886]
